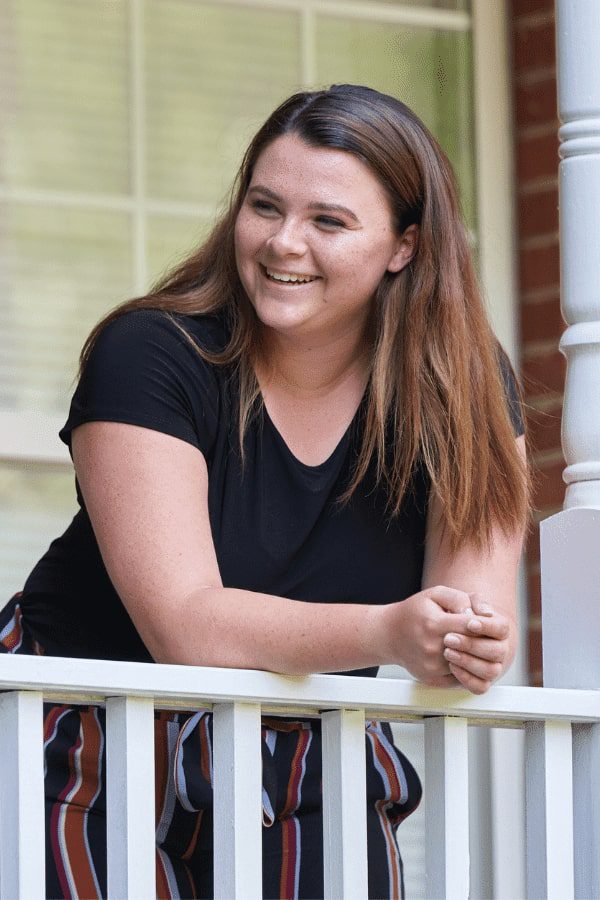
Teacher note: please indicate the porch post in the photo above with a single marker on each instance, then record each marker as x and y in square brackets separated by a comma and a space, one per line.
[570, 540]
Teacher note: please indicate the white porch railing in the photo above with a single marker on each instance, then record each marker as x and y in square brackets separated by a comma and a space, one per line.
[554, 720]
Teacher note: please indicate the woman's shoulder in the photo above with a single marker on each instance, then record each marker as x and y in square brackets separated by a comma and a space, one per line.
[147, 324]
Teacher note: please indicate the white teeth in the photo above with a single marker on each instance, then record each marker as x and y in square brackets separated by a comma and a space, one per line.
[296, 279]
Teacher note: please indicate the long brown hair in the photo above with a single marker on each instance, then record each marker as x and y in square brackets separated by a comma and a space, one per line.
[436, 375]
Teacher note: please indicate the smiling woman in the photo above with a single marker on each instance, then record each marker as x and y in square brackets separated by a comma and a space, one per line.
[283, 239]
[301, 452]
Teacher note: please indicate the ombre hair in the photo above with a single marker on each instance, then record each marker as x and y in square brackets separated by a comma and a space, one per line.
[436, 395]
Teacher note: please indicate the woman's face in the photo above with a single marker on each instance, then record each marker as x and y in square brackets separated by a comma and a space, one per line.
[313, 239]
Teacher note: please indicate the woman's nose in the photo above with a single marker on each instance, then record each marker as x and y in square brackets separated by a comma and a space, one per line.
[287, 238]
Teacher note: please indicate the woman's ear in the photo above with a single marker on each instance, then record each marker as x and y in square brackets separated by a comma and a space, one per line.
[406, 247]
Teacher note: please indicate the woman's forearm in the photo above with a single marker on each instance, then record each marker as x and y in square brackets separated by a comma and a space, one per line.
[218, 626]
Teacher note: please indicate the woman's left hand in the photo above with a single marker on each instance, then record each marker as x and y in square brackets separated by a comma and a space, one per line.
[480, 656]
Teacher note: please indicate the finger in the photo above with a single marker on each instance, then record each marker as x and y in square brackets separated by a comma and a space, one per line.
[450, 600]
[480, 668]
[469, 681]
[496, 626]
[485, 648]
[479, 606]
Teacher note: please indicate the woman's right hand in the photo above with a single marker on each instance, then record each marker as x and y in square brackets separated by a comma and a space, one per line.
[415, 628]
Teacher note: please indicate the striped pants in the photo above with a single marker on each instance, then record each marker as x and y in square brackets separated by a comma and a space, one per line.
[75, 799]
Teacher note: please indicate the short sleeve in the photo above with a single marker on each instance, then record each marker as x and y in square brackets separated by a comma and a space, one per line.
[143, 371]
[513, 393]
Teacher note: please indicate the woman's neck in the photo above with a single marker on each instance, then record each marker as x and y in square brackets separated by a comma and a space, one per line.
[305, 369]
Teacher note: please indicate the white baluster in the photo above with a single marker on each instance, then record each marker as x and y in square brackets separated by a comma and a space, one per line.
[570, 539]
[130, 798]
[586, 805]
[237, 801]
[549, 810]
[446, 808]
[344, 804]
[22, 843]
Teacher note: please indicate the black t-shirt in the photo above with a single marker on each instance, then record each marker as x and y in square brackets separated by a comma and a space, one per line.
[277, 524]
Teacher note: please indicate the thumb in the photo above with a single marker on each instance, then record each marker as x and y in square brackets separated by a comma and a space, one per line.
[479, 606]
[449, 599]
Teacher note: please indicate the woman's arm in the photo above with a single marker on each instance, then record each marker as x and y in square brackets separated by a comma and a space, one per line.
[482, 654]
[146, 495]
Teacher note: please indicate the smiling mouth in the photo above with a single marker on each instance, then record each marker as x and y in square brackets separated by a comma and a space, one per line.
[289, 279]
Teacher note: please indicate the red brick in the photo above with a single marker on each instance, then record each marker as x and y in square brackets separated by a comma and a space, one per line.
[534, 47]
[544, 372]
[539, 267]
[550, 488]
[542, 321]
[543, 431]
[537, 157]
[526, 7]
[534, 593]
[538, 213]
[532, 548]
[535, 650]
[536, 104]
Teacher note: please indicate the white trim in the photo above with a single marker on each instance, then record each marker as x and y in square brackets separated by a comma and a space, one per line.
[138, 146]
[115, 202]
[438, 19]
[496, 226]
[195, 687]
[495, 168]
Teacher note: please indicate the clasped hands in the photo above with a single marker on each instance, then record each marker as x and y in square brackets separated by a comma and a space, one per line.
[452, 637]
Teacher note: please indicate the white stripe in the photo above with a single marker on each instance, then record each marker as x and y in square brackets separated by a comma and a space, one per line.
[383, 819]
[11, 627]
[64, 808]
[169, 874]
[298, 851]
[400, 774]
[168, 807]
[303, 772]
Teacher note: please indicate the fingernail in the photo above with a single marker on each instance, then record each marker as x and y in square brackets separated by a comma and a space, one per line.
[452, 640]
[474, 625]
[485, 610]
[467, 611]
[451, 655]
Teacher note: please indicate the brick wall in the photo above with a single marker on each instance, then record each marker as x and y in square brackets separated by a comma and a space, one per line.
[536, 149]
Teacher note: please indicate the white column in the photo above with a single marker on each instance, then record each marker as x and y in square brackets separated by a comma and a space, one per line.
[570, 540]
[130, 829]
[446, 808]
[237, 801]
[22, 847]
[549, 804]
[344, 805]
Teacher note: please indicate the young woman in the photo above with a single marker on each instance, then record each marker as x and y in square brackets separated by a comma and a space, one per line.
[301, 452]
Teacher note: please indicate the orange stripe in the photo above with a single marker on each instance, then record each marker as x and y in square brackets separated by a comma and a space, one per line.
[14, 636]
[288, 859]
[162, 884]
[74, 819]
[161, 766]
[291, 803]
[389, 767]
[205, 750]
[194, 840]
[392, 852]
[50, 721]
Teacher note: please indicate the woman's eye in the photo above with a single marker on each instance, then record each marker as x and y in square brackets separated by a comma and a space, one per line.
[329, 222]
[263, 206]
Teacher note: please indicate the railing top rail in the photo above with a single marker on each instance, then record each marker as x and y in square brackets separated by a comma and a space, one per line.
[189, 687]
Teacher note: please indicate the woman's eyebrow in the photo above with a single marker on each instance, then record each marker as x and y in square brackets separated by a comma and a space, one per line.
[323, 207]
